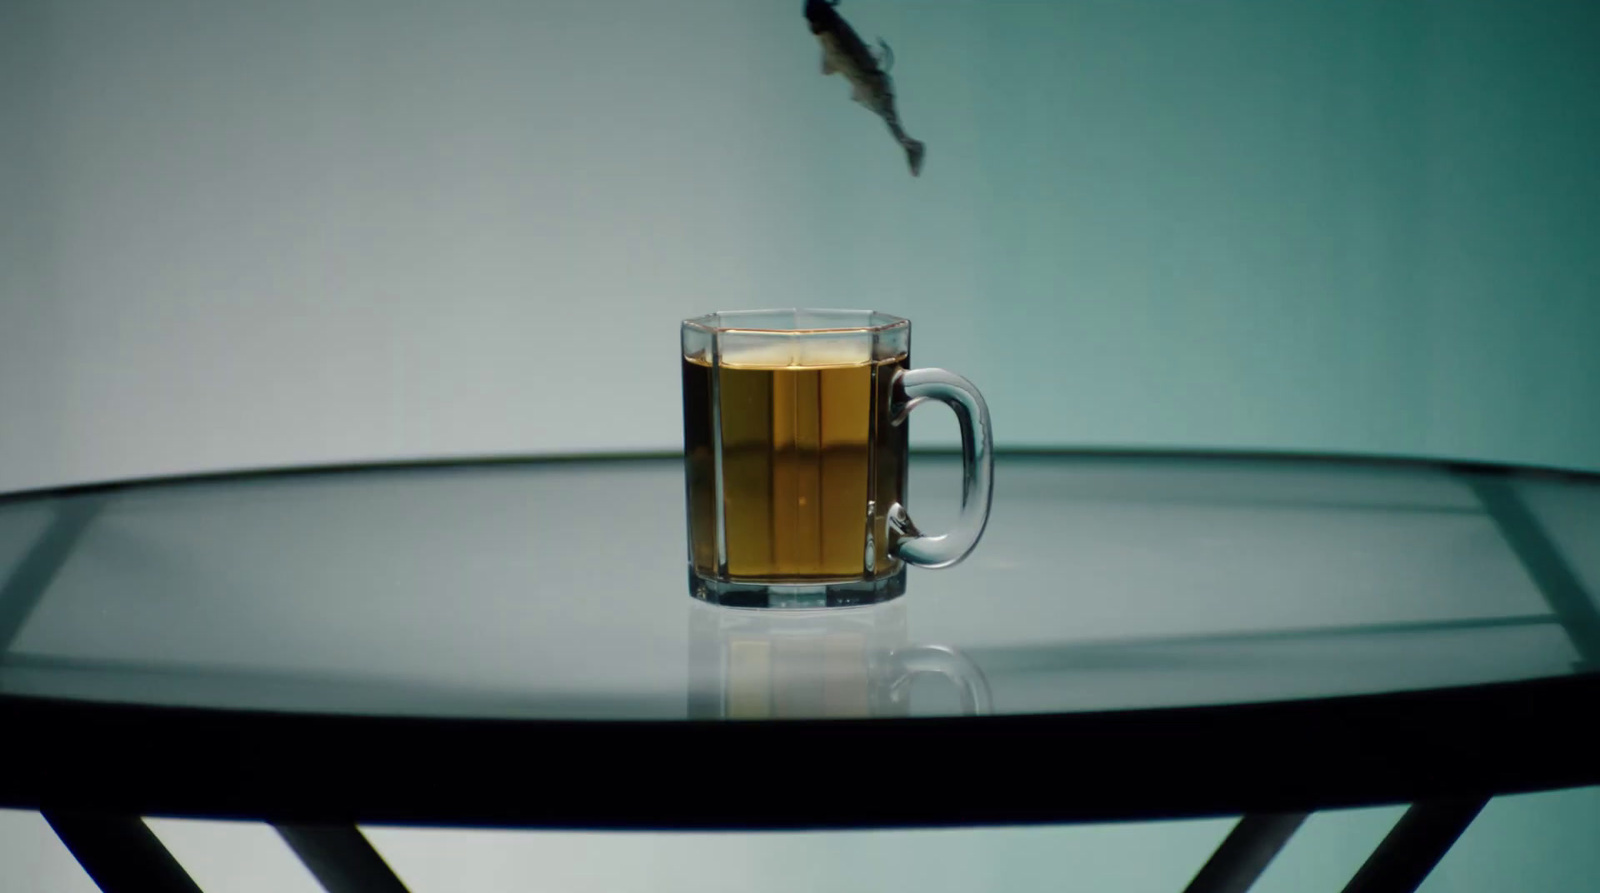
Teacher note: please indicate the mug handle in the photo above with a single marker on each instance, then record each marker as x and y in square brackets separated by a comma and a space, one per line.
[971, 684]
[913, 388]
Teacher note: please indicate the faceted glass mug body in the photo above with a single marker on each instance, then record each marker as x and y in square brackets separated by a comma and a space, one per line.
[795, 447]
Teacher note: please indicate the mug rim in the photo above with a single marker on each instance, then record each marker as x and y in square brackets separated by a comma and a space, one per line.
[712, 322]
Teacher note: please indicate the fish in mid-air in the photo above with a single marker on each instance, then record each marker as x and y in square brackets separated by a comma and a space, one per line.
[843, 51]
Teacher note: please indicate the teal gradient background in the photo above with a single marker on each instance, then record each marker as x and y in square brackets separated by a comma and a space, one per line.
[242, 234]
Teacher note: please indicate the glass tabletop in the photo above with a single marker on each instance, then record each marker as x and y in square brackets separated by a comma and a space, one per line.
[556, 590]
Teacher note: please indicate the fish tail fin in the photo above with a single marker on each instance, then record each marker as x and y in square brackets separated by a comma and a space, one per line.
[915, 150]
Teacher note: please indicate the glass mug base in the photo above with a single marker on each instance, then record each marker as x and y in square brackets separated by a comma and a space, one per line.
[821, 594]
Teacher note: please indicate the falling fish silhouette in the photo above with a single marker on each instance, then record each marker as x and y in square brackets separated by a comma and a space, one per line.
[868, 73]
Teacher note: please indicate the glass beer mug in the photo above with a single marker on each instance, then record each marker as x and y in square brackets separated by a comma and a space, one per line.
[795, 447]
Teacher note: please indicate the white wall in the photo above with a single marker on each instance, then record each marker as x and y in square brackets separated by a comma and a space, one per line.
[249, 233]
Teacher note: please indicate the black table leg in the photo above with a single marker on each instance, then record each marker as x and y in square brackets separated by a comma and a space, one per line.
[120, 853]
[342, 858]
[1415, 845]
[1543, 561]
[1246, 852]
[25, 586]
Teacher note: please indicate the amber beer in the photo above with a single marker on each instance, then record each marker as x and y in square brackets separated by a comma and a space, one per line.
[794, 437]
[811, 460]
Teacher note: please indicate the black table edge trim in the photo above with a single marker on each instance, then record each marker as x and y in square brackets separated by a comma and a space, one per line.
[1176, 762]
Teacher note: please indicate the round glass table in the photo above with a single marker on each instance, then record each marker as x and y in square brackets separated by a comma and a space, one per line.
[512, 643]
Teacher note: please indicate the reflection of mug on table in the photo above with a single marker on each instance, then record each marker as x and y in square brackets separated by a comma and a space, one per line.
[795, 447]
[815, 665]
